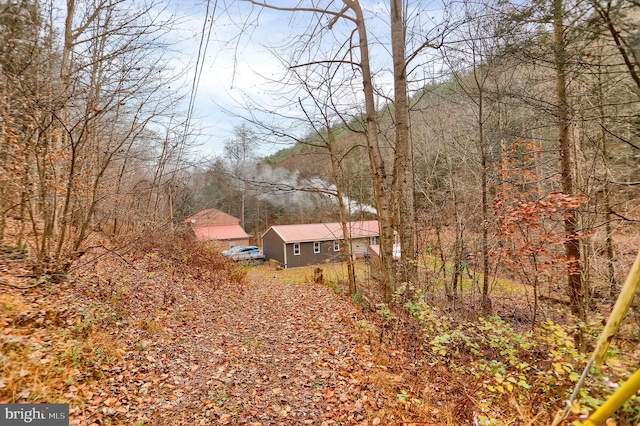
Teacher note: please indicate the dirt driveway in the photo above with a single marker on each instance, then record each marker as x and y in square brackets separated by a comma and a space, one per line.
[278, 354]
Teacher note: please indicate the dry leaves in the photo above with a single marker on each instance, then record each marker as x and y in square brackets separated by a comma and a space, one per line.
[145, 343]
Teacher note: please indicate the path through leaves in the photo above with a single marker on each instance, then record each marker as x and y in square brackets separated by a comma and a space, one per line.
[143, 345]
[278, 354]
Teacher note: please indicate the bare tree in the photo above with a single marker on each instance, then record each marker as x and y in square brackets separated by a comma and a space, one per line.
[393, 183]
[19, 24]
[476, 57]
[572, 244]
[92, 102]
[403, 168]
[240, 151]
[620, 18]
[353, 13]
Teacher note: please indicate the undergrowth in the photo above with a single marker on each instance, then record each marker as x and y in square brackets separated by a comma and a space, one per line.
[45, 355]
[503, 368]
[178, 251]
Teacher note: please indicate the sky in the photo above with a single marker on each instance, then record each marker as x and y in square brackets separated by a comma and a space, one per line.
[236, 67]
[233, 68]
[238, 62]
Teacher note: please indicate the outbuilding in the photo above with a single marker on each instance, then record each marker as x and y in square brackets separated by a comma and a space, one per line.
[315, 243]
[214, 225]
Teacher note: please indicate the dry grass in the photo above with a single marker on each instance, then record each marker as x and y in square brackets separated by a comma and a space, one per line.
[10, 306]
[333, 274]
[42, 359]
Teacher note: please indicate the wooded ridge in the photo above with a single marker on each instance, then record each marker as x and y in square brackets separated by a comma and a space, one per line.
[496, 144]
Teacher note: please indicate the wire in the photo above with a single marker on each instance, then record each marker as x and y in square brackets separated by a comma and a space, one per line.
[202, 51]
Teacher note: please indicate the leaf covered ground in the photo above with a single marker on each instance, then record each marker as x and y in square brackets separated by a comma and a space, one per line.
[141, 339]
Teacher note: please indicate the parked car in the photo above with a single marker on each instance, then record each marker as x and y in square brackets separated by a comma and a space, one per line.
[245, 254]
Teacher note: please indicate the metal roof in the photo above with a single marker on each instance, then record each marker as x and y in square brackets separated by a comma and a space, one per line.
[325, 231]
[212, 217]
[229, 232]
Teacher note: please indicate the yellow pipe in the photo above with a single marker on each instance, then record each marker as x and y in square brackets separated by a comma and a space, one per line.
[619, 311]
[615, 401]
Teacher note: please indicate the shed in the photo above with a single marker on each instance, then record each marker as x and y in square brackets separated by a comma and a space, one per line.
[314, 243]
[375, 249]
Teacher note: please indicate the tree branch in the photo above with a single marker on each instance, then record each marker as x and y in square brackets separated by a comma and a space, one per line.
[335, 15]
[620, 138]
[619, 41]
[4, 283]
[622, 217]
[337, 61]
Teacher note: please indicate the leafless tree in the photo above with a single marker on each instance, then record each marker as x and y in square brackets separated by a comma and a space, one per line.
[94, 100]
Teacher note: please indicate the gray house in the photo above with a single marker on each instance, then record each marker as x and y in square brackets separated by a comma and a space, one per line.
[314, 243]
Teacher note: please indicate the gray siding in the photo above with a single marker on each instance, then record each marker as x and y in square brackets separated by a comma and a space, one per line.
[308, 257]
[272, 246]
[359, 246]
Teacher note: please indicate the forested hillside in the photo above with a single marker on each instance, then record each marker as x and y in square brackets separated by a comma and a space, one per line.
[496, 143]
[523, 145]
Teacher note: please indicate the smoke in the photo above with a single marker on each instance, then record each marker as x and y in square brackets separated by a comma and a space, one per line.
[353, 206]
[284, 188]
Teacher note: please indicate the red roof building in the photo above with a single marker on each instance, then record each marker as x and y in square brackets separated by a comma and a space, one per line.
[214, 225]
[314, 243]
[212, 217]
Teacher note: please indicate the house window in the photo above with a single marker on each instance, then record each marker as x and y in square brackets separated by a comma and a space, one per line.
[373, 241]
[336, 246]
[316, 247]
[296, 249]
[232, 244]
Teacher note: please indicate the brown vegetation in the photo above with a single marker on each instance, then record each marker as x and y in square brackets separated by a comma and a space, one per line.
[504, 160]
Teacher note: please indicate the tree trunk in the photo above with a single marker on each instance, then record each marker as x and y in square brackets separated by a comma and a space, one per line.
[346, 232]
[375, 157]
[486, 304]
[611, 273]
[403, 173]
[572, 243]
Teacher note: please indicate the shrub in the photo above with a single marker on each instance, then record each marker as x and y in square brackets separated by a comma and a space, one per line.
[537, 368]
[178, 251]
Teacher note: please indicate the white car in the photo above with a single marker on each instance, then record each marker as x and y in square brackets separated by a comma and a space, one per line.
[245, 253]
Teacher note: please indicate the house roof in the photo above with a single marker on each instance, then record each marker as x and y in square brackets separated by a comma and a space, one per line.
[325, 231]
[228, 232]
[212, 217]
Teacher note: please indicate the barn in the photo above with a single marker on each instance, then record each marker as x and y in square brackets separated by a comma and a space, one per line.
[214, 225]
[315, 243]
